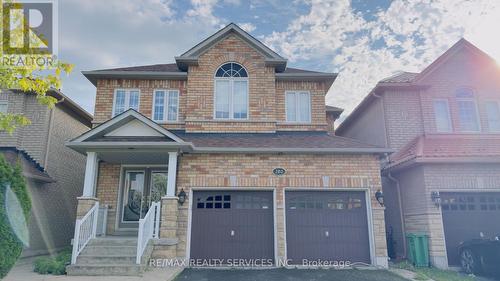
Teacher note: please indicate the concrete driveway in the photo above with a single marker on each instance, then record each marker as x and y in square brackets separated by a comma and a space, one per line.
[287, 275]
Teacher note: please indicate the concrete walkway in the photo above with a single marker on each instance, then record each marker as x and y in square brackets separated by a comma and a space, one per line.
[23, 271]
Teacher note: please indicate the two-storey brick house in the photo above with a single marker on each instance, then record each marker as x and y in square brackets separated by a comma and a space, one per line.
[235, 146]
[53, 172]
[444, 123]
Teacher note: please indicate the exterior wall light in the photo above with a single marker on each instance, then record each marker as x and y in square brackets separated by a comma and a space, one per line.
[182, 196]
[380, 197]
[436, 198]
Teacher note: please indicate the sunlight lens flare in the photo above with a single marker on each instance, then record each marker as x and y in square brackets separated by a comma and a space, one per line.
[16, 216]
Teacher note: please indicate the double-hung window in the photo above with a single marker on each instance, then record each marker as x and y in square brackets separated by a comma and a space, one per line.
[442, 116]
[467, 112]
[125, 99]
[3, 106]
[231, 92]
[493, 113]
[165, 105]
[298, 107]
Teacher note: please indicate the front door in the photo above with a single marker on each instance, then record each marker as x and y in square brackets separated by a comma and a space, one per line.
[140, 187]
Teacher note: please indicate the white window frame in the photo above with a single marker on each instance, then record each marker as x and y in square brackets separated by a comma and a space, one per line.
[231, 94]
[165, 105]
[450, 121]
[297, 92]
[486, 114]
[127, 99]
[478, 119]
[6, 103]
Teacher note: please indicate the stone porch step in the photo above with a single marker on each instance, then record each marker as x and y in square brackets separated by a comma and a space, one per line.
[107, 250]
[114, 241]
[106, 270]
[106, 259]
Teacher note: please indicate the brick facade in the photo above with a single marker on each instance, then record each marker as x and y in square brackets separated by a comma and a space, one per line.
[253, 171]
[267, 114]
[196, 95]
[408, 112]
[54, 204]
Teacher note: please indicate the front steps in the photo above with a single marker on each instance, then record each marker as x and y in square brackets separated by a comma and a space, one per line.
[113, 255]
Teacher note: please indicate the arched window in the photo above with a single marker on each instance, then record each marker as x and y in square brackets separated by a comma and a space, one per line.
[231, 92]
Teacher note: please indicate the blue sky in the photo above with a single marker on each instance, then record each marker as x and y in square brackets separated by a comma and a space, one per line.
[364, 41]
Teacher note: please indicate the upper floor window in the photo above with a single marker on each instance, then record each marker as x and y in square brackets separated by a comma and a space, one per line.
[231, 92]
[467, 112]
[442, 116]
[298, 107]
[165, 105]
[493, 113]
[3, 106]
[125, 99]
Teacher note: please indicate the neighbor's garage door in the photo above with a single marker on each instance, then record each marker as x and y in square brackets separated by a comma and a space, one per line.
[232, 225]
[465, 215]
[327, 226]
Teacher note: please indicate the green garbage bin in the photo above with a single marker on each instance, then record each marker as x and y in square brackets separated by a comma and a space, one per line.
[418, 249]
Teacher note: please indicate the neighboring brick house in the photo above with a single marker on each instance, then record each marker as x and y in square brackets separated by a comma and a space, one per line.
[53, 172]
[444, 123]
[238, 132]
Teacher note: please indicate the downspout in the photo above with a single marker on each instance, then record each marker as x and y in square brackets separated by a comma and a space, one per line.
[401, 215]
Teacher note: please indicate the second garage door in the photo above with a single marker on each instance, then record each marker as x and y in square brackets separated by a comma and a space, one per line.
[466, 215]
[232, 225]
[329, 226]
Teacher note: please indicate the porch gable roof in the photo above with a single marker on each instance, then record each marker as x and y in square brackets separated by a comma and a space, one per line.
[129, 126]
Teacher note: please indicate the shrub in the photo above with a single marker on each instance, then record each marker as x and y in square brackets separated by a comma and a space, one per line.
[55, 266]
[11, 245]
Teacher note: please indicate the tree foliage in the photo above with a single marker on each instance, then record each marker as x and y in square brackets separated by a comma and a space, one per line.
[29, 79]
[11, 245]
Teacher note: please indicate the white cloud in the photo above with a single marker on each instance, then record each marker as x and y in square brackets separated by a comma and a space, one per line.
[248, 27]
[415, 33]
[203, 10]
[115, 33]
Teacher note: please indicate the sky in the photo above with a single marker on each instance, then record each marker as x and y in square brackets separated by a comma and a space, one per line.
[363, 41]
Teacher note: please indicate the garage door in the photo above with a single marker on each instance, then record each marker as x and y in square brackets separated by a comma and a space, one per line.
[329, 226]
[232, 225]
[465, 215]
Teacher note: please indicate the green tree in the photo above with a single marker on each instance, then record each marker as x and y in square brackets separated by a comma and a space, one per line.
[29, 79]
[13, 196]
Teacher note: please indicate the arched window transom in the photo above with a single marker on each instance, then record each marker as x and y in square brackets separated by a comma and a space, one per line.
[231, 69]
[231, 92]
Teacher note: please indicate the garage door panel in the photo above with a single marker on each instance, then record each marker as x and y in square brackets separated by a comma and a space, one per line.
[232, 225]
[466, 215]
[326, 225]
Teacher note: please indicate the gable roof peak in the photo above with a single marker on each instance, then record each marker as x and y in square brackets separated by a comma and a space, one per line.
[190, 57]
[459, 45]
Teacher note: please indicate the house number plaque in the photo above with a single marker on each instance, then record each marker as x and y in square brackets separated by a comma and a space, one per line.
[279, 171]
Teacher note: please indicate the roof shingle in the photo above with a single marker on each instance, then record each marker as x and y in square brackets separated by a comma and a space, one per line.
[448, 146]
[270, 140]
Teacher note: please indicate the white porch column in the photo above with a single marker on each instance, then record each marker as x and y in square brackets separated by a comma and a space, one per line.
[90, 175]
[172, 174]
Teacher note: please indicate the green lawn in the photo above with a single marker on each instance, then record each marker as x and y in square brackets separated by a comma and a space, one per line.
[282, 274]
[426, 273]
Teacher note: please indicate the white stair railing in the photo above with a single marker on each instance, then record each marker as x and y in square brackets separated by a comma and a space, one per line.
[85, 229]
[149, 228]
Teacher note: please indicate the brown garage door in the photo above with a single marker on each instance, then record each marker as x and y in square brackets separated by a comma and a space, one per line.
[465, 215]
[232, 225]
[327, 226]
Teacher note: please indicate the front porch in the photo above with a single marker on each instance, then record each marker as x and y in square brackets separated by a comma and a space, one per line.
[129, 192]
[129, 187]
